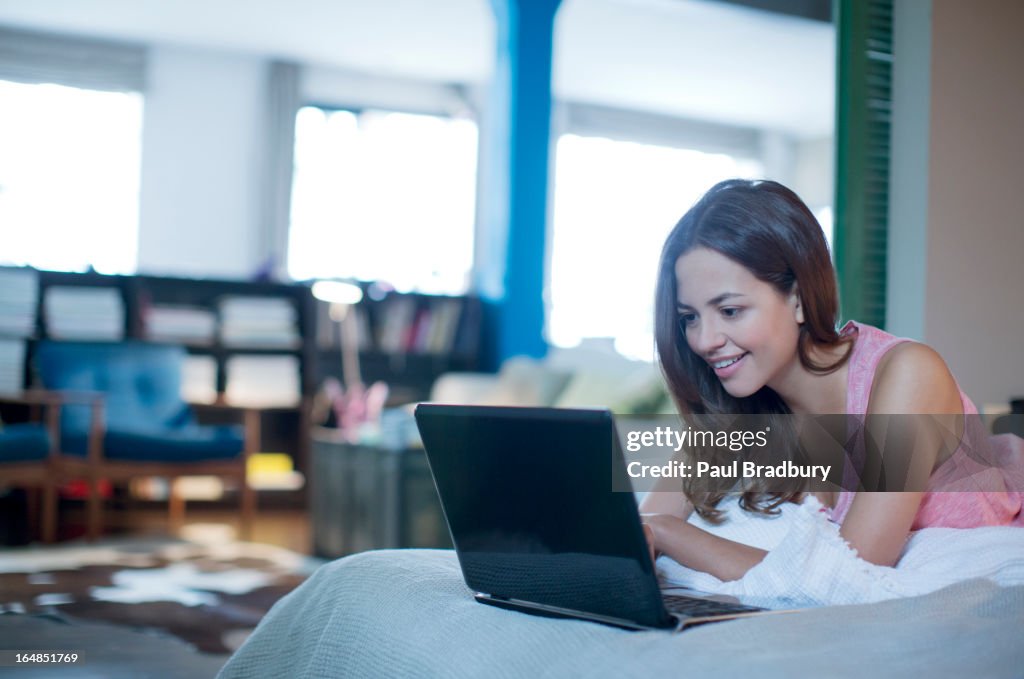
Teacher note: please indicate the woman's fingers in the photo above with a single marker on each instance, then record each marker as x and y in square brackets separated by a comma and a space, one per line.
[649, 535]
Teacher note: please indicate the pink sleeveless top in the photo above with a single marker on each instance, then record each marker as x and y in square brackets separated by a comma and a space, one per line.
[962, 509]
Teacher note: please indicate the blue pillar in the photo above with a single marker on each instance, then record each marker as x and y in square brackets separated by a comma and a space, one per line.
[516, 140]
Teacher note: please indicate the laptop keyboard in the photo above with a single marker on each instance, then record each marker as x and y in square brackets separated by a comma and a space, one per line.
[693, 607]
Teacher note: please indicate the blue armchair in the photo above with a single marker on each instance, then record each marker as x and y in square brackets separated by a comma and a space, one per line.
[28, 456]
[140, 426]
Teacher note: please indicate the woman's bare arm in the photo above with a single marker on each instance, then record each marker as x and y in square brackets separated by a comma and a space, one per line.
[665, 512]
[698, 549]
[912, 380]
[667, 498]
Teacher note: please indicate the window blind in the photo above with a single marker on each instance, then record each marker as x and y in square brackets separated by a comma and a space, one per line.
[33, 57]
[863, 120]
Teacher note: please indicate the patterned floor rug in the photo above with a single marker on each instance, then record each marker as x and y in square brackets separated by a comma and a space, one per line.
[209, 595]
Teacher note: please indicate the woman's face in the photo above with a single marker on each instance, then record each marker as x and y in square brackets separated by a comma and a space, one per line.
[743, 327]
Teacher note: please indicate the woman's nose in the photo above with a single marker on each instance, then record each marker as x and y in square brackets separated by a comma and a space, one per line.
[708, 338]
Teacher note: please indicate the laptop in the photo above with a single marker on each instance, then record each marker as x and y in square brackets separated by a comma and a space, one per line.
[527, 495]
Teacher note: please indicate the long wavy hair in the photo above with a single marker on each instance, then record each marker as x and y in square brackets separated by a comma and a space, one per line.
[766, 228]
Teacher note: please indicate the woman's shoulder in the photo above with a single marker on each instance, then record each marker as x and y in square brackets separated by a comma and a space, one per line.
[912, 377]
[879, 351]
[892, 374]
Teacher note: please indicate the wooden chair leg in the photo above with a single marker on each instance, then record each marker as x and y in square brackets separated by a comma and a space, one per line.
[175, 505]
[49, 512]
[32, 510]
[248, 509]
[252, 442]
[94, 510]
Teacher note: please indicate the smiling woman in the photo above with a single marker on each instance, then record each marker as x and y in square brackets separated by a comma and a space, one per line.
[735, 331]
[745, 323]
[746, 276]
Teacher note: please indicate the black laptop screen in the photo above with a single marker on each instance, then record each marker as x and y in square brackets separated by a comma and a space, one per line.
[528, 497]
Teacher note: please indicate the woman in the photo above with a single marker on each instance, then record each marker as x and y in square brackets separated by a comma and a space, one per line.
[745, 320]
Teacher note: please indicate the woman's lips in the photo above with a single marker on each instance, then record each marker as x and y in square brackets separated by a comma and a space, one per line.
[730, 370]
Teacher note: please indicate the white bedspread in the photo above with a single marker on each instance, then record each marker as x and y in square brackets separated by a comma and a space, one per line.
[809, 564]
[409, 614]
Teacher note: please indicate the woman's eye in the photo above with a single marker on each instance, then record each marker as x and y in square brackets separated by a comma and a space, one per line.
[687, 319]
[731, 312]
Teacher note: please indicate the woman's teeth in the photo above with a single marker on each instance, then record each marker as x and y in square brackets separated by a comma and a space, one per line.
[724, 364]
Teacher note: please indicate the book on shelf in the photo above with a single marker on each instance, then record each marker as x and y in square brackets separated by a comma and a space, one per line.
[256, 308]
[466, 332]
[84, 313]
[426, 326]
[19, 295]
[258, 322]
[446, 313]
[398, 316]
[418, 331]
[263, 381]
[12, 365]
[199, 379]
[180, 324]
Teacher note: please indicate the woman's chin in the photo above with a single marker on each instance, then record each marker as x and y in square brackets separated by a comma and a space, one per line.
[740, 389]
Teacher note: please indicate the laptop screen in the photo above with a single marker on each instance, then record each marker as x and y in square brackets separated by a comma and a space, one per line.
[527, 493]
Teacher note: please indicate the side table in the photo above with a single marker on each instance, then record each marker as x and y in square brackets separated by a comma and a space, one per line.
[371, 497]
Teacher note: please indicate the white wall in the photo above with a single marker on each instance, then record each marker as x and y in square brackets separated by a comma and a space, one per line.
[777, 152]
[956, 195]
[974, 313]
[200, 163]
[814, 170]
[908, 174]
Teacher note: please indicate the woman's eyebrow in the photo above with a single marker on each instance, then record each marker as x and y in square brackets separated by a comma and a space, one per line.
[713, 301]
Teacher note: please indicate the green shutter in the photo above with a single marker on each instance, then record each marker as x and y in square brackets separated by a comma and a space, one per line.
[863, 116]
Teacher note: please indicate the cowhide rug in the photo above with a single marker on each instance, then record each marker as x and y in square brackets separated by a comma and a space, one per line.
[210, 595]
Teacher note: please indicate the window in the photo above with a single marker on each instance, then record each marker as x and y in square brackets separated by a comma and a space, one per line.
[69, 177]
[380, 195]
[614, 204]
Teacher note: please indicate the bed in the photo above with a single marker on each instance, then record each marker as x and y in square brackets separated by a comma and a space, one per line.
[408, 613]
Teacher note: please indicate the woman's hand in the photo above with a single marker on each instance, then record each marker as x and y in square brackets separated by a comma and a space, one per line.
[649, 536]
[652, 525]
[695, 548]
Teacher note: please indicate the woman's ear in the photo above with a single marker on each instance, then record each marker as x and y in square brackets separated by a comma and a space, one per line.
[798, 307]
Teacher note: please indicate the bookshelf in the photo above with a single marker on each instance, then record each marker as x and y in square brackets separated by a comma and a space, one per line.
[405, 339]
[225, 321]
[261, 344]
[231, 330]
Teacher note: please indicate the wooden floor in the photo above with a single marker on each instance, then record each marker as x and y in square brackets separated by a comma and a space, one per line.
[288, 528]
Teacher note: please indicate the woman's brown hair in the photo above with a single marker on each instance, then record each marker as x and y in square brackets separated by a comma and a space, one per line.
[766, 228]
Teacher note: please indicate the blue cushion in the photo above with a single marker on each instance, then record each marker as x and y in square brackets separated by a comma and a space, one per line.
[141, 381]
[145, 418]
[187, 444]
[23, 443]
